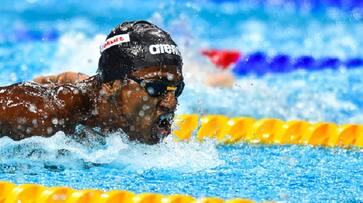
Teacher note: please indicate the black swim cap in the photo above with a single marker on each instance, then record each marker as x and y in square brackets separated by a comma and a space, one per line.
[135, 45]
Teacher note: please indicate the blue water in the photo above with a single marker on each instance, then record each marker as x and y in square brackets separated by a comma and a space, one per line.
[284, 173]
[44, 37]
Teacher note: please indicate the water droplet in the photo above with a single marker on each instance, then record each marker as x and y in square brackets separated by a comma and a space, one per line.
[145, 107]
[94, 112]
[170, 76]
[35, 122]
[145, 98]
[49, 130]
[102, 92]
[61, 121]
[141, 113]
[54, 121]
[28, 130]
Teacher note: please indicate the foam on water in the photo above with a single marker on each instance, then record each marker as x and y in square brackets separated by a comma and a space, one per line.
[62, 151]
[190, 157]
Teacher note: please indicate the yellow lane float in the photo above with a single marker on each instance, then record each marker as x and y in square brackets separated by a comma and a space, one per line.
[267, 131]
[32, 193]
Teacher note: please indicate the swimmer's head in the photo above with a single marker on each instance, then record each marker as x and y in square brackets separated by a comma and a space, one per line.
[135, 45]
[146, 64]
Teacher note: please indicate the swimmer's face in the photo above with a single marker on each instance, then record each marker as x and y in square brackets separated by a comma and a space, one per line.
[148, 110]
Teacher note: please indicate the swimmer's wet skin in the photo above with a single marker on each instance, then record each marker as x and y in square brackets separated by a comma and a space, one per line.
[136, 90]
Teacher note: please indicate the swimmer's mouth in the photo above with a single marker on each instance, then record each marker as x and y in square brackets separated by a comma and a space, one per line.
[163, 126]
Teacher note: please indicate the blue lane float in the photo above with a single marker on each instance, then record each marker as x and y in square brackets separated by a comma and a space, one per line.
[26, 35]
[35, 35]
[312, 4]
[259, 64]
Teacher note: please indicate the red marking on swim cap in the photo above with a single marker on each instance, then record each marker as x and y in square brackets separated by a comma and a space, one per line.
[115, 40]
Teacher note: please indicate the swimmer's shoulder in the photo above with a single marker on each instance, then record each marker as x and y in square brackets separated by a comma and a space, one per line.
[68, 77]
[77, 94]
[71, 95]
[48, 91]
[23, 88]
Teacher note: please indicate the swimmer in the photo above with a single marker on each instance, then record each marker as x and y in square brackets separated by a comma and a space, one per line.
[220, 79]
[138, 81]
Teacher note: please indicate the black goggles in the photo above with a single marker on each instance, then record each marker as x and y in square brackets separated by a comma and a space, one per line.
[159, 87]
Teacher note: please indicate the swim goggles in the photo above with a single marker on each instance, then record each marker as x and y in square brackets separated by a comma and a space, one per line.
[159, 87]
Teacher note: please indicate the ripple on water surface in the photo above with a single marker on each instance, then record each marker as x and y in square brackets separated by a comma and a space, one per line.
[257, 172]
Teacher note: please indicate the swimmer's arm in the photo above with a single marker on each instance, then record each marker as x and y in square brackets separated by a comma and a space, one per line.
[62, 78]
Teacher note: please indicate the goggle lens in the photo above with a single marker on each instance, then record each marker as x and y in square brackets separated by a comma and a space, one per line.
[158, 88]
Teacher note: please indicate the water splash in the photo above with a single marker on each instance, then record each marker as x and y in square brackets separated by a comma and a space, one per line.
[191, 156]
[61, 151]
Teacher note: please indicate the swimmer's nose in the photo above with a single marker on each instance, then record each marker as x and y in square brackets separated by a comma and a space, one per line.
[168, 102]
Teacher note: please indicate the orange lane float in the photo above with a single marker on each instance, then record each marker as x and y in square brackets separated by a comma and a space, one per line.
[267, 131]
[11, 193]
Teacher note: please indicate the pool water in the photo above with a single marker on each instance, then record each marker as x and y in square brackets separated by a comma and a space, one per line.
[45, 37]
[259, 172]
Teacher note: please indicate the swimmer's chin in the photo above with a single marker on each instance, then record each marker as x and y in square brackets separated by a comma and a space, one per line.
[160, 129]
[156, 136]
[160, 132]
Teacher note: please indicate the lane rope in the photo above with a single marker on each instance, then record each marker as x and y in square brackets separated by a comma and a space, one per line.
[12, 193]
[267, 131]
